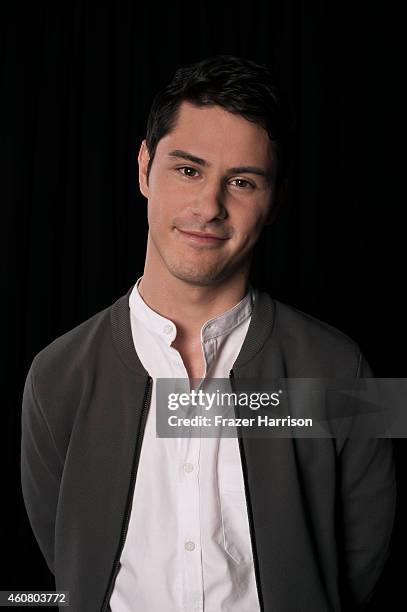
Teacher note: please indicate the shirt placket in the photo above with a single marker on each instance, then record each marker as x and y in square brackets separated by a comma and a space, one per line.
[187, 458]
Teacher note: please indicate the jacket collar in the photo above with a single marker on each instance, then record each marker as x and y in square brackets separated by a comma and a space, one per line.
[221, 325]
[259, 331]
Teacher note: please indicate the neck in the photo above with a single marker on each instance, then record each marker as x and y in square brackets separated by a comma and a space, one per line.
[189, 306]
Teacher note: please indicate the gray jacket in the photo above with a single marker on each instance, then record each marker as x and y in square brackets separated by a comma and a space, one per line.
[320, 511]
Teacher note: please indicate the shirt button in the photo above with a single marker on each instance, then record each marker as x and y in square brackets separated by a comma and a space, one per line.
[167, 329]
[189, 546]
[188, 467]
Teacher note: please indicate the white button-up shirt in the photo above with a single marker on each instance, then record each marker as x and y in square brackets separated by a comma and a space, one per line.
[188, 545]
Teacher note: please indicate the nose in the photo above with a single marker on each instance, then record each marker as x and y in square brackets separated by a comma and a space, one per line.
[209, 202]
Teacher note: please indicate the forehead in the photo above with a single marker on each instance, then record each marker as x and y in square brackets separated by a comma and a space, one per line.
[216, 135]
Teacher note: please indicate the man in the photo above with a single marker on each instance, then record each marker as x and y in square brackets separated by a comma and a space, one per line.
[129, 521]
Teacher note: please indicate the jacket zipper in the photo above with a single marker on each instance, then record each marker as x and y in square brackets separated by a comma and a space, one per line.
[143, 419]
[248, 506]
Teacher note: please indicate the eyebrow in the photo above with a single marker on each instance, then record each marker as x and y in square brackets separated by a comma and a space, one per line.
[177, 153]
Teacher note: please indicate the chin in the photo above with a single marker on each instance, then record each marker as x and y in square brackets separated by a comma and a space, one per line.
[198, 278]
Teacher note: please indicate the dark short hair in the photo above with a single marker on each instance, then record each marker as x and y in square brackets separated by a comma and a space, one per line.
[239, 85]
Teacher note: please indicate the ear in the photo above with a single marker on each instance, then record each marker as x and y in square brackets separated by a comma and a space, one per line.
[278, 199]
[143, 159]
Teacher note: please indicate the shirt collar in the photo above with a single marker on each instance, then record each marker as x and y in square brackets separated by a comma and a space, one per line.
[220, 325]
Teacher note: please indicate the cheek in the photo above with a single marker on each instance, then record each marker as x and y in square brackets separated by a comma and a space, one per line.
[159, 208]
[250, 225]
[164, 203]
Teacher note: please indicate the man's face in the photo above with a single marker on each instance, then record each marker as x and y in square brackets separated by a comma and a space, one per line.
[210, 191]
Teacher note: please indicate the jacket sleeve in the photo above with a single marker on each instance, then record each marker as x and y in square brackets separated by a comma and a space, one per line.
[41, 469]
[368, 501]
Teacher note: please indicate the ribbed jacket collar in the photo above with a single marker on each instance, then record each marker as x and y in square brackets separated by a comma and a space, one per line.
[260, 329]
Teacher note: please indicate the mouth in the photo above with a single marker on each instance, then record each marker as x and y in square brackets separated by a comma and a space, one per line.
[202, 237]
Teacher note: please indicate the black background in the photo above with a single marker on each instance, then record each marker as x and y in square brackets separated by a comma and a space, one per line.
[77, 80]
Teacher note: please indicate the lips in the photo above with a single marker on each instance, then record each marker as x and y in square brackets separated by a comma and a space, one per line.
[206, 236]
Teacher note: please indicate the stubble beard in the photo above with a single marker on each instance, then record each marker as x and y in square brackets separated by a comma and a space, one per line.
[203, 274]
[194, 272]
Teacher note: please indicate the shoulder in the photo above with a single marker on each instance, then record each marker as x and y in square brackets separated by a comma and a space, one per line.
[75, 344]
[72, 369]
[291, 319]
[67, 365]
[309, 344]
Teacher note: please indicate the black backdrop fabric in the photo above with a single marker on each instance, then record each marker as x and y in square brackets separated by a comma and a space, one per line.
[77, 80]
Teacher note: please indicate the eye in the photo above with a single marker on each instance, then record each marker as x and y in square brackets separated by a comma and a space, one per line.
[188, 171]
[242, 183]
